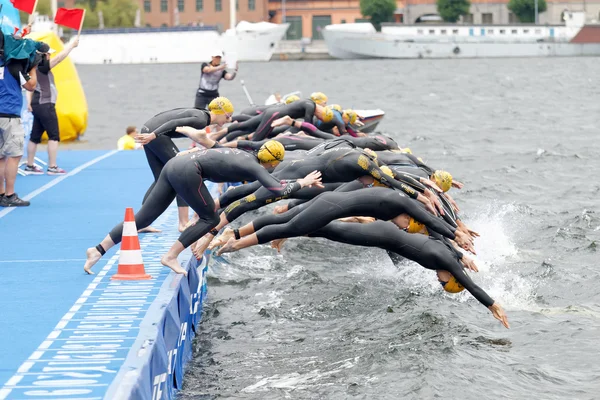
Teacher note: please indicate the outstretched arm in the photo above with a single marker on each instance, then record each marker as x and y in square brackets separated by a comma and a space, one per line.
[54, 61]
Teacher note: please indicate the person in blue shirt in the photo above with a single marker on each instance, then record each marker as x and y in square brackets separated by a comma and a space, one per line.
[14, 74]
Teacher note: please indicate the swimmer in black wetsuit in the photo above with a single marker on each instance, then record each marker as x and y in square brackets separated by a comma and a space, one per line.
[380, 203]
[434, 254]
[373, 142]
[158, 133]
[250, 112]
[337, 161]
[302, 142]
[262, 129]
[185, 176]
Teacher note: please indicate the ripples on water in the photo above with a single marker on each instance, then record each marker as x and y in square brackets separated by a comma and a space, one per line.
[330, 321]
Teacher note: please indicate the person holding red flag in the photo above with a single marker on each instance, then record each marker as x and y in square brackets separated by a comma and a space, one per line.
[70, 17]
[42, 103]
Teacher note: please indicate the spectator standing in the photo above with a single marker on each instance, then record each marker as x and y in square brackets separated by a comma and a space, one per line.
[211, 75]
[13, 75]
[42, 103]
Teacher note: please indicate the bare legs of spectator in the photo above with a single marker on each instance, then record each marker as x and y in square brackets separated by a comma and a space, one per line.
[8, 174]
[52, 151]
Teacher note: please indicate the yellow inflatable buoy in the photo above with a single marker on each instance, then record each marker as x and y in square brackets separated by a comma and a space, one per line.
[71, 106]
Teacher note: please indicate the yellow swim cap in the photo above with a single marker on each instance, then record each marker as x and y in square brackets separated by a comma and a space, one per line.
[271, 151]
[415, 226]
[220, 106]
[452, 286]
[352, 116]
[291, 99]
[443, 179]
[386, 170]
[319, 98]
[327, 115]
[336, 107]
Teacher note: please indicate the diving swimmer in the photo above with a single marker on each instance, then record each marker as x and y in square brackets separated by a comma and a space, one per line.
[185, 175]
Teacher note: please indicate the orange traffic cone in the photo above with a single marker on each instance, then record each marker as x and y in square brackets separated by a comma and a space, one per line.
[131, 264]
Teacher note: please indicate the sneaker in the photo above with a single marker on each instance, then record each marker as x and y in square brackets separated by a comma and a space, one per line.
[56, 171]
[13, 201]
[34, 170]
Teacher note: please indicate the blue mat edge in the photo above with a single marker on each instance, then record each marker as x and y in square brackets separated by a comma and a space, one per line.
[155, 365]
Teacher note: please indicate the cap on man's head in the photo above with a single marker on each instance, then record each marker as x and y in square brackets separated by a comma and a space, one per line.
[130, 129]
[44, 48]
[217, 53]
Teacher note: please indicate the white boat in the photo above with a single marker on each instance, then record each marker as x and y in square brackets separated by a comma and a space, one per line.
[360, 40]
[246, 42]
[370, 120]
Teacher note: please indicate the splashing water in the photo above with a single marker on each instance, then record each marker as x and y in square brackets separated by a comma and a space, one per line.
[500, 270]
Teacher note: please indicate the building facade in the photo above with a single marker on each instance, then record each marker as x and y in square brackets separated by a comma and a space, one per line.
[308, 17]
[197, 12]
[497, 12]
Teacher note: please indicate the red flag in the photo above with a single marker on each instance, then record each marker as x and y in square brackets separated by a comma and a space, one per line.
[25, 5]
[70, 17]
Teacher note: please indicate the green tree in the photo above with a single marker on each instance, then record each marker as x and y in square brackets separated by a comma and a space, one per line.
[451, 10]
[378, 11]
[43, 8]
[118, 13]
[91, 20]
[525, 9]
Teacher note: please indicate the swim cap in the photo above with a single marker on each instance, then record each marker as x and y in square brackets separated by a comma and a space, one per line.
[327, 115]
[372, 155]
[319, 98]
[443, 179]
[291, 99]
[220, 106]
[415, 226]
[452, 286]
[352, 116]
[271, 151]
[336, 107]
[386, 170]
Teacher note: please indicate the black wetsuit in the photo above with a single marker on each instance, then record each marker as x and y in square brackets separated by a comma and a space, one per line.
[261, 124]
[380, 203]
[338, 164]
[422, 172]
[431, 253]
[402, 159]
[289, 142]
[373, 142]
[160, 150]
[185, 175]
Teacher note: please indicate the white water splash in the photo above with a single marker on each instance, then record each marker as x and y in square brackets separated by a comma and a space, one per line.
[498, 257]
[300, 381]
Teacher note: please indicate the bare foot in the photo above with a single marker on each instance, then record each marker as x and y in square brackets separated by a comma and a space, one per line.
[229, 247]
[201, 245]
[93, 255]
[173, 264]
[149, 229]
[277, 244]
[222, 238]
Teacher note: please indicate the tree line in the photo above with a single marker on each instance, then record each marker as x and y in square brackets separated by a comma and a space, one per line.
[380, 11]
[115, 13]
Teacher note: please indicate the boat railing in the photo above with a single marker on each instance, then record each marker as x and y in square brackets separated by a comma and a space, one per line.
[107, 31]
